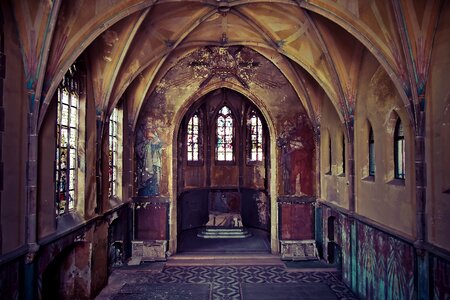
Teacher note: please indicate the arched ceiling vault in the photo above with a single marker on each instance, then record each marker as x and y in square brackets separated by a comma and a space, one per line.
[130, 44]
[284, 65]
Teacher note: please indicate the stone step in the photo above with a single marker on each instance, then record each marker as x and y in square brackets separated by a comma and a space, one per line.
[224, 233]
[222, 255]
[224, 229]
[217, 259]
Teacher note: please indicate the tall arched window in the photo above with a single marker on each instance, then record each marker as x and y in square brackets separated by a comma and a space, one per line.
[193, 138]
[113, 152]
[66, 141]
[399, 150]
[255, 139]
[225, 131]
[371, 152]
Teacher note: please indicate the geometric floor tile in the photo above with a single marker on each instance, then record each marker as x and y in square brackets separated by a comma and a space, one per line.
[287, 291]
[224, 282]
[169, 291]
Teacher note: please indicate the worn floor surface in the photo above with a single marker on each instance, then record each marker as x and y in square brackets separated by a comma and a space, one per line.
[158, 281]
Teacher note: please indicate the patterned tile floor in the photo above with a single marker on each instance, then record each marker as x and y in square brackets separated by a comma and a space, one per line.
[225, 282]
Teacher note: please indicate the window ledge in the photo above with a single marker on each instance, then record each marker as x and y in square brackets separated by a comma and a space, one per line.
[114, 201]
[396, 182]
[255, 163]
[328, 173]
[369, 178]
[68, 220]
[342, 175]
[225, 163]
[194, 163]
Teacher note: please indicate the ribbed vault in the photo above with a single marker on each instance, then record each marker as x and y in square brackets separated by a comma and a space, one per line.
[132, 44]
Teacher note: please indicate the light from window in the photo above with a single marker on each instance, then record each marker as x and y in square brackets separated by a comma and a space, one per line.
[66, 149]
[224, 148]
[256, 138]
[371, 153]
[113, 152]
[399, 151]
[193, 140]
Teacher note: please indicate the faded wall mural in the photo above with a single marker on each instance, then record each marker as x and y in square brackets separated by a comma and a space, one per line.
[384, 264]
[296, 142]
[148, 160]
[440, 278]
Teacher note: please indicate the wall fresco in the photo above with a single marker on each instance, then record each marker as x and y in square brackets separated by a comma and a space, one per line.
[148, 160]
[385, 265]
[296, 142]
[441, 278]
[344, 240]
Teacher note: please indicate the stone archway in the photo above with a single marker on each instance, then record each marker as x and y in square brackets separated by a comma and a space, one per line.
[223, 199]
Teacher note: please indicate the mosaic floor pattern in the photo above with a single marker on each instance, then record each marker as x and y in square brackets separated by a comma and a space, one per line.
[229, 282]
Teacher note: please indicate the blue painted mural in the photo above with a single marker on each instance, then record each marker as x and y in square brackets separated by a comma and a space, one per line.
[441, 278]
[148, 151]
[375, 264]
[344, 240]
[385, 265]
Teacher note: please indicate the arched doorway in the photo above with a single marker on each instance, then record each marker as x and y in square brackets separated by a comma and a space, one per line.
[222, 180]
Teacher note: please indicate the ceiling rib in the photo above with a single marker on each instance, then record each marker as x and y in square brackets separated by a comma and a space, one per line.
[376, 51]
[343, 112]
[163, 56]
[110, 106]
[89, 38]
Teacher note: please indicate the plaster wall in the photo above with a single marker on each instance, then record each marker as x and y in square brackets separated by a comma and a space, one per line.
[15, 103]
[88, 155]
[46, 175]
[98, 263]
[438, 136]
[382, 198]
[334, 184]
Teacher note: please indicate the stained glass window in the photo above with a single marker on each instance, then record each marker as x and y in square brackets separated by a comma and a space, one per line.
[256, 137]
[193, 138]
[371, 153]
[113, 152]
[399, 151]
[224, 146]
[66, 143]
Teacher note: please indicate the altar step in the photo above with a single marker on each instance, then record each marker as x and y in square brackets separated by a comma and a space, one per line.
[221, 259]
[224, 233]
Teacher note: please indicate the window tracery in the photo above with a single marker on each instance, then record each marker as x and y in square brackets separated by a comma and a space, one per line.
[66, 141]
[113, 152]
[193, 138]
[256, 137]
[225, 131]
[399, 150]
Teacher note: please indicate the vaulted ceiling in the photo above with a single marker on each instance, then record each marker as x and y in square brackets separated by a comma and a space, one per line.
[131, 44]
